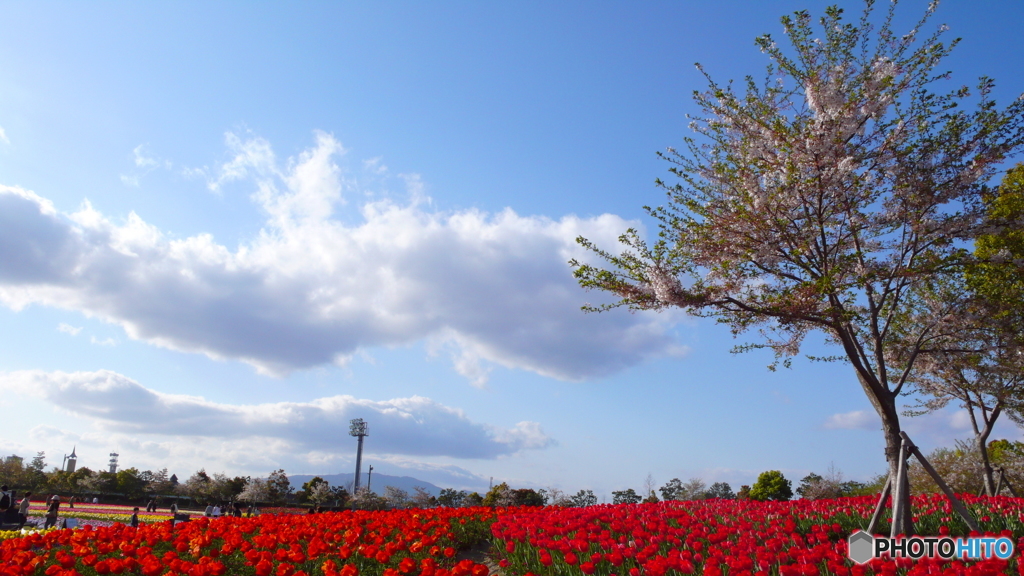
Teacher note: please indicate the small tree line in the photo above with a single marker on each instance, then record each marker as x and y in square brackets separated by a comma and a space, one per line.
[134, 484]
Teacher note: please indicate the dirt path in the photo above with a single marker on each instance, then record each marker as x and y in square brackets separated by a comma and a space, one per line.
[481, 554]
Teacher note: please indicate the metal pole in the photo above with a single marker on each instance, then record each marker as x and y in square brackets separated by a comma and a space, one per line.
[369, 476]
[358, 429]
[359, 464]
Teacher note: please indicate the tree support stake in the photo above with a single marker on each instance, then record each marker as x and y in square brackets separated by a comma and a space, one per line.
[957, 505]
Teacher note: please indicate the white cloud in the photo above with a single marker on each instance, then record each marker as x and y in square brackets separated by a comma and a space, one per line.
[469, 365]
[375, 165]
[525, 435]
[68, 329]
[49, 434]
[143, 161]
[145, 164]
[856, 420]
[414, 426]
[311, 290]
[3, 136]
[190, 173]
[252, 157]
[104, 342]
[960, 420]
[466, 361]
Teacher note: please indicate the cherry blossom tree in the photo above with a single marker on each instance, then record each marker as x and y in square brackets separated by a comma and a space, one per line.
[396, 497]
[987, 381]
[256, 491]
[817, 200]
[421, 498]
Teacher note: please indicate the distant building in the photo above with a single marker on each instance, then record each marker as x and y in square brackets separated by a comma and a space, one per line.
[113, 462]
[72, 461]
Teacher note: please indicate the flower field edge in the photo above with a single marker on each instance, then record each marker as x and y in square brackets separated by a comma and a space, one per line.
[712, 537]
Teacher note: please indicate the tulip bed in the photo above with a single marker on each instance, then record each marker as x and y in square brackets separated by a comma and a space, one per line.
[396, 543]
[101, 512]
[712, 538]
[735, 538]
[8, 534]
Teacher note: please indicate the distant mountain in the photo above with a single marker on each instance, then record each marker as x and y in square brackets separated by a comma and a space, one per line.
[377, 482]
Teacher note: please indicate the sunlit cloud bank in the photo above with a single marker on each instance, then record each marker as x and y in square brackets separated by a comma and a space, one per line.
[855, 420]
[413, 426]
[308, 290]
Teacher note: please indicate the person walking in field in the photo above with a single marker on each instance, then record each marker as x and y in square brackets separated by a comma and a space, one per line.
[23, 508]
[52, 510]
[135, 517]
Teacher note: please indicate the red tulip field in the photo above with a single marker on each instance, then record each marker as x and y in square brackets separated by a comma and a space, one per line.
[711, 537]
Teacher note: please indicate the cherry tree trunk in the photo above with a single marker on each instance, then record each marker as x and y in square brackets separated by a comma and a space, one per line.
[885, 406]
[988, 474]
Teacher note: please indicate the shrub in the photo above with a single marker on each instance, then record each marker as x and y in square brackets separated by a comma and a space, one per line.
[771, 485]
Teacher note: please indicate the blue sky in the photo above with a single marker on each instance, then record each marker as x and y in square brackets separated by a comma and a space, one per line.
[231, 227]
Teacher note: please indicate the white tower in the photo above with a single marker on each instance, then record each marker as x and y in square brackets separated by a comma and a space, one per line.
[113, 462]
[72, 461]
